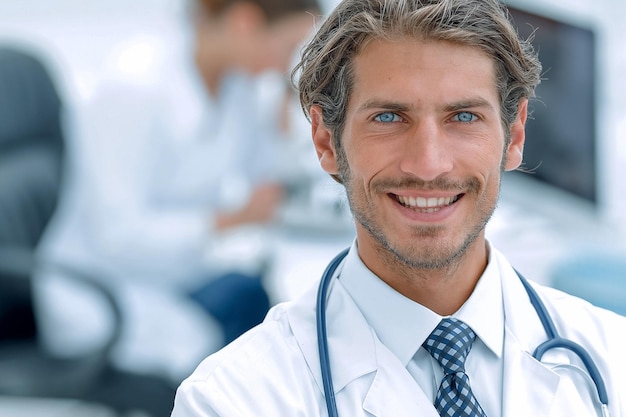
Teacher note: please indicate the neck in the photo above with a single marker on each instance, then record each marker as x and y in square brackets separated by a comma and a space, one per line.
[443, 290]
[212, 73]
[212, 58]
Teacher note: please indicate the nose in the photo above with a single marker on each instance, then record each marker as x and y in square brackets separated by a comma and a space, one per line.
[426, 153]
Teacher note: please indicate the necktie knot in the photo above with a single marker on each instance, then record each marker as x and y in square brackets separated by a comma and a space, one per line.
[449, 344]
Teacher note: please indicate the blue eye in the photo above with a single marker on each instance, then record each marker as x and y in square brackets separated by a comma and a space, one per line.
[387, 117]
[465, 117]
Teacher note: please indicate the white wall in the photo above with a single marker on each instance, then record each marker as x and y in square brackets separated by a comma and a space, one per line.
[83, 39]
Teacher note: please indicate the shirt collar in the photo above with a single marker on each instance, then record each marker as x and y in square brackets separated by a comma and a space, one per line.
[484, 310]
[403, 325]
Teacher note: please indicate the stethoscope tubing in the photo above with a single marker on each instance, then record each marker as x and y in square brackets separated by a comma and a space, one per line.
[554, 340]
[322, 339]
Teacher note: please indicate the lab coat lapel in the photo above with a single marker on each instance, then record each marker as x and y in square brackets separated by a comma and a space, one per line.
[350, 340]
[531, 388]
[394, 393]
[357, 356]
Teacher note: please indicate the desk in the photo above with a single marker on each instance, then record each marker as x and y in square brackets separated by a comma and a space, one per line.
[40, 407]
[299, 260]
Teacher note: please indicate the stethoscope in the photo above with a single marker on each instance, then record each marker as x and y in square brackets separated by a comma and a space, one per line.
[554, 340]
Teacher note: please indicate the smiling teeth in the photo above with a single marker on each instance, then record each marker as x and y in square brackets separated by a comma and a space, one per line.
[426, 203]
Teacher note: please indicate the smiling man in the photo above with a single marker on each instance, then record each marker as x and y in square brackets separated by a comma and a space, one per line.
[421, 154]
[417, 107]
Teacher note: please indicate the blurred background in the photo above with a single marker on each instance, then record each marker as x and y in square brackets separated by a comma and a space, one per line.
[116, 71]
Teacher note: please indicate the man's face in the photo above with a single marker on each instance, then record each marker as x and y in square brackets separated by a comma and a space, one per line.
[423, 148]
[245, 40]
[283, 38]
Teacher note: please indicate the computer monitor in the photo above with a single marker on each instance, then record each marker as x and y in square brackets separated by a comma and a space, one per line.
[560, 147]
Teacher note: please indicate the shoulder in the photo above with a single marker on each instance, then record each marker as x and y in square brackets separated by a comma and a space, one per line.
[254, 375]
[571, 311]
[576, 315]
[576, 319]
[266, 341]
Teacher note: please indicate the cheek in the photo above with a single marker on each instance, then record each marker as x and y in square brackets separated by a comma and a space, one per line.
[366, 169]
[357, 158]
[367, 154]
[482, 159]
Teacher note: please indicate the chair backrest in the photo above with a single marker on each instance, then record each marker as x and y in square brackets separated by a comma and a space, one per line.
[31, 159]
[29, 104]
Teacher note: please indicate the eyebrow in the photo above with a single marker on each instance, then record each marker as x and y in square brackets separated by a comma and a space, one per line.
[384, 104]
[476, 102]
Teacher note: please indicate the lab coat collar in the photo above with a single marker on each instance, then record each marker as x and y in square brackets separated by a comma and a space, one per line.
[356, 352]
[350, 340]
[399, 322]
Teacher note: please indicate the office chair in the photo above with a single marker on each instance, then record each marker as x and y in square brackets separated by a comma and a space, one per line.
[26, 369]
[31, 169]
[31, 161]
[31, 148]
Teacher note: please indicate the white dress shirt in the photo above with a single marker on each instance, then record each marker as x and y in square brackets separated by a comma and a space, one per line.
[403, 325]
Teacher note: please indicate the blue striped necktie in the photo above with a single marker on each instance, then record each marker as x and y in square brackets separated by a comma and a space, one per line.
[449, 344]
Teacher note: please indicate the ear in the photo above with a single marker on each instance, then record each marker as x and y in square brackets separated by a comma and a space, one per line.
[515, 150]
[323, 141]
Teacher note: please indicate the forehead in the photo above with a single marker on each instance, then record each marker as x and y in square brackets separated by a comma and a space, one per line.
[416, 70]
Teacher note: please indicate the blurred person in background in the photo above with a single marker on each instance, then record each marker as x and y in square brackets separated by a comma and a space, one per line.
[158, 172]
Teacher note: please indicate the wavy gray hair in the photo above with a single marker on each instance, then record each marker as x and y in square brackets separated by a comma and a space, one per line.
[325, 73]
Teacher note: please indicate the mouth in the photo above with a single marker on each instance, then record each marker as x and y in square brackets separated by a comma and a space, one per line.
[426, 205]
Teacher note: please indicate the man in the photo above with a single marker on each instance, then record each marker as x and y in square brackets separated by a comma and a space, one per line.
[417, 107]
[163, 169]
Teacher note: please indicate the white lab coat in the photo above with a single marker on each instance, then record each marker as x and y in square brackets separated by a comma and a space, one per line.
[274, 369]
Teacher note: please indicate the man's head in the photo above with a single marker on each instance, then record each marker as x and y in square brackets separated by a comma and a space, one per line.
[273, 10]
[417, 107]
[326, 72]
[249, 35]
